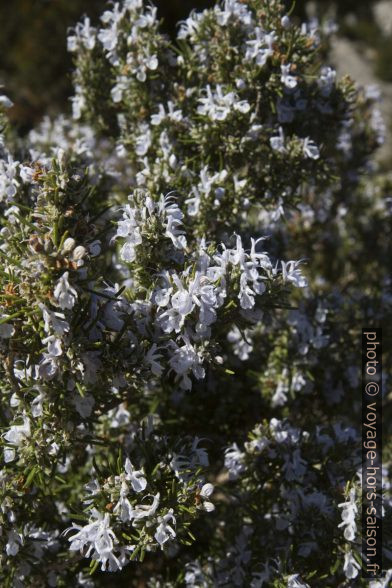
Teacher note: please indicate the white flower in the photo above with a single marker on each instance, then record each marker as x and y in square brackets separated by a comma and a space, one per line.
[128, 228]
[54, 345]
[204, 189]
[5, 102]
[108, 38]
[205, 494]
[64, 293]
[184, 360]
[14, 542]
[12, 214]
[190, 26]
[128, 252]
[164, 531]
[47, 367]
[295, 581]
[98, 538]
[286, 78]
[242, 347]
[326, 81]
[291, 273]
[119, 88]
[232, 9]
[143, 141]
[194, 576]
[182, 302]
[162, 296]
[378, 125]
[142, 511]
[78, 103]
[54, 320]
[54, 448]
[349, 511]
[257, 445]
[277, 142]
[119, 416]
[234, 461]
[26, 173]
[261, 48]
[152, 358]
[136, 477]
[186, 462]
[146, 19]
[169, 210]
[152, 62]
[8, 182]
[217, 105]
[172, 114]
[84, 35]
[246, 295]
[382, 582]
[16, 435]
[124, 508]
[280, 396]
[37, 405]
[350, 566]
[133, 5]
[310, 149]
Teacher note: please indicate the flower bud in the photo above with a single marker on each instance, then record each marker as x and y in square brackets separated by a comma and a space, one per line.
[79, 252]
[285, 22]
[95, 248]
[68, 245]
[173, 161]
[6, 102]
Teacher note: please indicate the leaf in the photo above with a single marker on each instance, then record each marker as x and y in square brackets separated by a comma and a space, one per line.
[93, 566]
[29, 480]
[135, 552]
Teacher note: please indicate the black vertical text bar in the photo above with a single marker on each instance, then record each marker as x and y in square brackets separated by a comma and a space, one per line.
[372, 453]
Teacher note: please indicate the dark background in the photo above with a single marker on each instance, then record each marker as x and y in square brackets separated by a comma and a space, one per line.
[35, 67]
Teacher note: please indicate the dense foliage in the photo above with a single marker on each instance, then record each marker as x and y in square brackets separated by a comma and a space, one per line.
[187, 264]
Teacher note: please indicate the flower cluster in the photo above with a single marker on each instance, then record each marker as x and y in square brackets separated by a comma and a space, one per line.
[133, 512]
[271, 109]
[186, 263]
